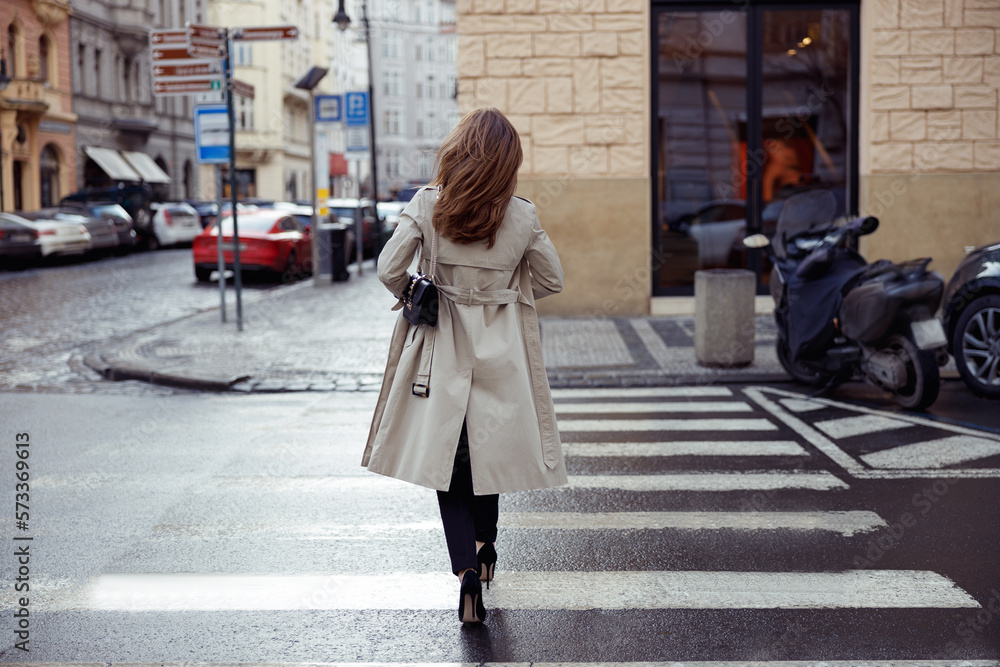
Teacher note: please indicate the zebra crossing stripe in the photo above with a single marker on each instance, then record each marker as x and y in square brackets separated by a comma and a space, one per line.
[847, 427]
[686, 448]
[934, 453]
[643, 392]
[577, 425]
[700, 663]
[518, 590]
[686, 406]
[708, 481]
[845, 523]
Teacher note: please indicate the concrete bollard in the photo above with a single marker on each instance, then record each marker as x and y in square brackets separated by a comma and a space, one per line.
[723, 320]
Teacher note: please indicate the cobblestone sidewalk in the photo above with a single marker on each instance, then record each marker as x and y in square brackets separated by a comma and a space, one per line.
[303, 338]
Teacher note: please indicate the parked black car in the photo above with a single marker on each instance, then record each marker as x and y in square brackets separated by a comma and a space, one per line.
[971, 315]
[135, 199]
[114, 214]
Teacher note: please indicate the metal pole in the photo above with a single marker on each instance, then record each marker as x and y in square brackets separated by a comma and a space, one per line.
[377, 232]
[218, 241]
[312, 198]
[232, 182]
[358, 221]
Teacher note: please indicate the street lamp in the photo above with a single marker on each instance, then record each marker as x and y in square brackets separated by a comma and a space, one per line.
[4, 81]
[308, 82]
[343, 20]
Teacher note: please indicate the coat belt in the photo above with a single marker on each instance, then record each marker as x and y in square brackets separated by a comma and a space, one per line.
[533, 339]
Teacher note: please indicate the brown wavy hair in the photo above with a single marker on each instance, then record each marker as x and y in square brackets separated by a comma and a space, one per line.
[477, 172]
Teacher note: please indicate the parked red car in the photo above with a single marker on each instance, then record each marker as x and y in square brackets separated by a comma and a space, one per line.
[272, 242]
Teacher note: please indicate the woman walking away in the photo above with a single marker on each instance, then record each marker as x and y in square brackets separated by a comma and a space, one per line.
[465, 406]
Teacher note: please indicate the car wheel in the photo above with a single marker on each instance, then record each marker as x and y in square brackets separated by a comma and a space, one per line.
[976, 346]
[152, 243]
[203, 275]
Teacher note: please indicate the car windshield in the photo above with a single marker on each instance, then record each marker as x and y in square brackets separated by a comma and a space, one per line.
[114, 210]
[250, 223]
[344, 211]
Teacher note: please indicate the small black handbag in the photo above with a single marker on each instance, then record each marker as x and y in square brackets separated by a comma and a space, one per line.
[420, 304]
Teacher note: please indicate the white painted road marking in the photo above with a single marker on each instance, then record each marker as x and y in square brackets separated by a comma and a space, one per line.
[845, 523]
[643, 392]
[722, 481]
[847, 427]
[578, 425]
[685, 406]
[853, 589]
[934, 453]
[854, 466]
[686, 448]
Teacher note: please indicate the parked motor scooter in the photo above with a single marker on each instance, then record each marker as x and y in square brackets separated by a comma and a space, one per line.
[840, 318]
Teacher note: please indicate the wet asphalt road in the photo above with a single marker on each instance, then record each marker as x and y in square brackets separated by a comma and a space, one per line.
[345, 566]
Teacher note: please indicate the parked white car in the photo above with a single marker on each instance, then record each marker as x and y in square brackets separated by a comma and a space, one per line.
[173, 223]
[55, 237]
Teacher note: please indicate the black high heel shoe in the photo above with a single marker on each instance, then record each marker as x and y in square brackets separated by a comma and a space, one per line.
[470, 599]
[487, 558]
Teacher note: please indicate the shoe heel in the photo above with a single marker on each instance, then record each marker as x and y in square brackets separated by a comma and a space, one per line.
[470, 600]
[487, 558]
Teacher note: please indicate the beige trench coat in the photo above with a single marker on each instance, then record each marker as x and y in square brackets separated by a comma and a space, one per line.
[485, 359]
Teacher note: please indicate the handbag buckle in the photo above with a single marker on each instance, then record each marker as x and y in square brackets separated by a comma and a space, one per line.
[421, 390]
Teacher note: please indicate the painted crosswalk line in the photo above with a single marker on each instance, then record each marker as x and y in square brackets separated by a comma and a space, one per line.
[686, 448]
[516, 590]
[707, 481]
[848, 427]
[845, 523]
[578, 425]
[642, 392]
[927, 458]
[934, 453]
[685, 406]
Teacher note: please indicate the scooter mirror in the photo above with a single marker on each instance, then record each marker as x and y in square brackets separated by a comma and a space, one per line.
[756, 241]
[869, 225]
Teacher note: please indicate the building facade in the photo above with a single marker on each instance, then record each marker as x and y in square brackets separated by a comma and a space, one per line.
[658, 134]
[272, 128]
[37, 123]
[113, 99]
[415, 84]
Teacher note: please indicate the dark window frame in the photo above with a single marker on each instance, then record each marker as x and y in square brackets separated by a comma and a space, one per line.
[754, 88]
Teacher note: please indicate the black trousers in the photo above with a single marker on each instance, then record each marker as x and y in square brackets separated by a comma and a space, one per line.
[467, 518]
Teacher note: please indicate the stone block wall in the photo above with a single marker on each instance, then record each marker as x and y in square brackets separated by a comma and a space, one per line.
[930, 128]
[934, 73]
[572, 75]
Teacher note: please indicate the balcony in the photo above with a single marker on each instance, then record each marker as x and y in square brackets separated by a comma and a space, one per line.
[25, 95]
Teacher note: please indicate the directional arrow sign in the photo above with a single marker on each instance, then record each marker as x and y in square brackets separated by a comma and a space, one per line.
[191, 68]
[168, 37]
[205, 33]
[186, 87]
[158, 55]
[265, 33]
[243, 89]
[206, 51]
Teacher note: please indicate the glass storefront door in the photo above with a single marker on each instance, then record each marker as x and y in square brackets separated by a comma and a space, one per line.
[751, 107]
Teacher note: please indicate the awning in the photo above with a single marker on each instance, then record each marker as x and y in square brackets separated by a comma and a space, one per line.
[147, 168]
[113, 164]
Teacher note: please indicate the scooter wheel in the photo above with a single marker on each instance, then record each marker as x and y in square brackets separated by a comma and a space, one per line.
[799, 373]
[923, 381]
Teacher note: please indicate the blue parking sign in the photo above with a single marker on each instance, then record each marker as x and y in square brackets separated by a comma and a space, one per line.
[356, 108]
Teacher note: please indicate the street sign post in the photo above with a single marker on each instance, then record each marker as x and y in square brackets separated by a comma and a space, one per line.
[211, 134]
[242, 88]
[186, 87]
[264, 33]
[167, 37]
[356, 109]
[328, 108]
